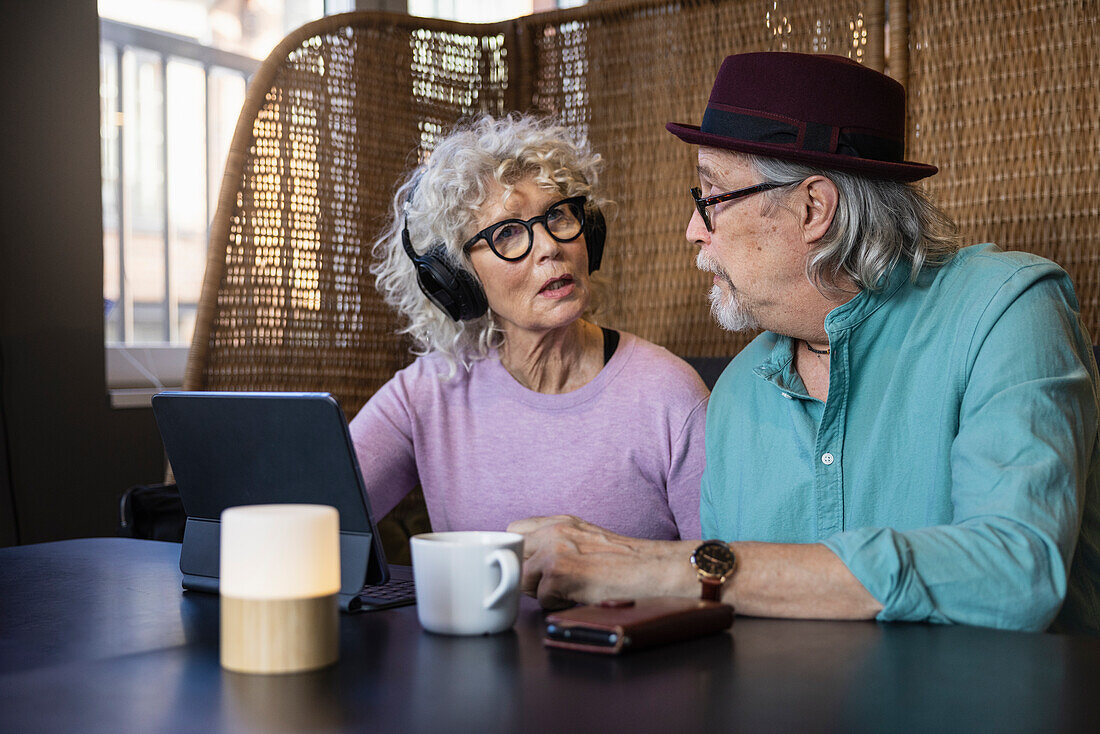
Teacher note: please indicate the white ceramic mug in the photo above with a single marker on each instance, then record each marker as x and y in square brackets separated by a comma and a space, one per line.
[467, 582]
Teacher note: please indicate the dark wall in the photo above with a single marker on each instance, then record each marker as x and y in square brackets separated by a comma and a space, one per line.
[71, 456]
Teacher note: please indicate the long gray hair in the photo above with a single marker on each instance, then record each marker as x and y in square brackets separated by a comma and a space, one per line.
[877, 224]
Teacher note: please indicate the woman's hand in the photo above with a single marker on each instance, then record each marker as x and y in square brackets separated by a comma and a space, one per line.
[568, 560]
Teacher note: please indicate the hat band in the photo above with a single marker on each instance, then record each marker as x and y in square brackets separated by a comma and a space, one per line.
[810, 136]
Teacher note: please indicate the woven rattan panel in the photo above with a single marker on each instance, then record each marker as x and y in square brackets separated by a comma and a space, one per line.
[620, 72]
[289, 302]
[1005, 98]
[346, 104]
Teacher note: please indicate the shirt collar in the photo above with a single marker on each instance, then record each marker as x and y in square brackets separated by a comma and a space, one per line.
[866, 302]
[778, 366]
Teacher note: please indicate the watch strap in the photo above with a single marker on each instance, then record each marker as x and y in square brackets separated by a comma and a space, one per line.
[712, 588]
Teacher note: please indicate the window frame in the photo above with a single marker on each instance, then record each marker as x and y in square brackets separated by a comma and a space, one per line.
[134, 370]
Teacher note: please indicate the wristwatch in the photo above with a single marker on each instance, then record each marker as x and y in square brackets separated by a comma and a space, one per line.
[714, 562]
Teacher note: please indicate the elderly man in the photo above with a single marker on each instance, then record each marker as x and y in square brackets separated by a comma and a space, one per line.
[913, 436]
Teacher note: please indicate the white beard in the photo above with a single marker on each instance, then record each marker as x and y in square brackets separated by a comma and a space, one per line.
[727, 309]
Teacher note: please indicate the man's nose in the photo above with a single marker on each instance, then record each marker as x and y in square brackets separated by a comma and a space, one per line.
[697, 232]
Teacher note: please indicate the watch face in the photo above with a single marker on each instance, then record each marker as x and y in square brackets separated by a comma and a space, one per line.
[713, 559]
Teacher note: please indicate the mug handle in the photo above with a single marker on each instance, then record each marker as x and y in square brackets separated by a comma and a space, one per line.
[509, 575]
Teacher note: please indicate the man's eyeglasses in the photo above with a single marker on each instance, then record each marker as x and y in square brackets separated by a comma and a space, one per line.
[512, 239]
[701, 202]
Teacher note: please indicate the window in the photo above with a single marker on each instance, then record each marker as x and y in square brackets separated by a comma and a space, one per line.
[173, 75]
[481, 11]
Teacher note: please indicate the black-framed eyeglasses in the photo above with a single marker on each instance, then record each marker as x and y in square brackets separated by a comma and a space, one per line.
[512, 239]
[701, 202]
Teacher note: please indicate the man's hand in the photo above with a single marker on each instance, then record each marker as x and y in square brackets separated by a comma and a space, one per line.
[568, 560]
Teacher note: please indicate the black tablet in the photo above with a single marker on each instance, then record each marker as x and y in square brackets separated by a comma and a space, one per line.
[248, 448]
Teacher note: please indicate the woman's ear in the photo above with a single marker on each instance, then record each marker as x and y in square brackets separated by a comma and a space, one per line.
[819, 205]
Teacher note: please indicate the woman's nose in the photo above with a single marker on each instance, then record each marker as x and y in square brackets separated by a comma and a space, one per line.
[544, 245]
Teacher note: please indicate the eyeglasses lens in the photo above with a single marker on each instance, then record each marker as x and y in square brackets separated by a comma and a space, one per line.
[563, 221]
[511, 239]
[696, 195]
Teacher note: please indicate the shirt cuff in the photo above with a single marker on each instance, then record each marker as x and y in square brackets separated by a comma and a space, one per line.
[881, 560]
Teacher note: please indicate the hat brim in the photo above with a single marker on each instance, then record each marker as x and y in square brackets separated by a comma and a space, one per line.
[906, 171]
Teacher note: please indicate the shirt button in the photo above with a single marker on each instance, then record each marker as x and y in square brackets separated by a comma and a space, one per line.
[787, 395]
[826, 458]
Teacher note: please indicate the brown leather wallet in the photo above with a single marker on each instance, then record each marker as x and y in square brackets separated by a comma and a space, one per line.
[618, 626]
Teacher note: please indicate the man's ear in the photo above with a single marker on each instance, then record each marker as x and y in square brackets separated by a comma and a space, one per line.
[819, 202]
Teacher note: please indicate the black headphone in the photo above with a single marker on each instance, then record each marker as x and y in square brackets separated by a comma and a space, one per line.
[457, 292]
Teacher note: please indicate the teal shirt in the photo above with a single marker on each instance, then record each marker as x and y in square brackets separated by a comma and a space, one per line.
[954, 468]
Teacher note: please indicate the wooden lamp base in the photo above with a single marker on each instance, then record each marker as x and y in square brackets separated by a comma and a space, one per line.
[279, 635]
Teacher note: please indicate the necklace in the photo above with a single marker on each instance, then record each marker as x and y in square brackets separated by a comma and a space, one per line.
[815, 351]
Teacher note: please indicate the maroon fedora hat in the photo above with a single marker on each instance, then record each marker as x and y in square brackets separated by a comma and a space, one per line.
[818, 109]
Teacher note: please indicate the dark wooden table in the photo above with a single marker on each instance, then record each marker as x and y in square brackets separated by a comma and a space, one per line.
[97, 636]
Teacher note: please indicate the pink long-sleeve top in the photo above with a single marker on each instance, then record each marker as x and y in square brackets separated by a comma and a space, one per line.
[625, 451]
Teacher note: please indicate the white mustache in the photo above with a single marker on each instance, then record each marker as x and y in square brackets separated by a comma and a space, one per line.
[708, 264]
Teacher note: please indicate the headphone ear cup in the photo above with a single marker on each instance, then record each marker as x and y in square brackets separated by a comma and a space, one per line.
[452, 289]
[471, 299]
[595, 233]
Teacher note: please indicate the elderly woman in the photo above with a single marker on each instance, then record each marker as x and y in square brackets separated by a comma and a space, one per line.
[518, 403]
